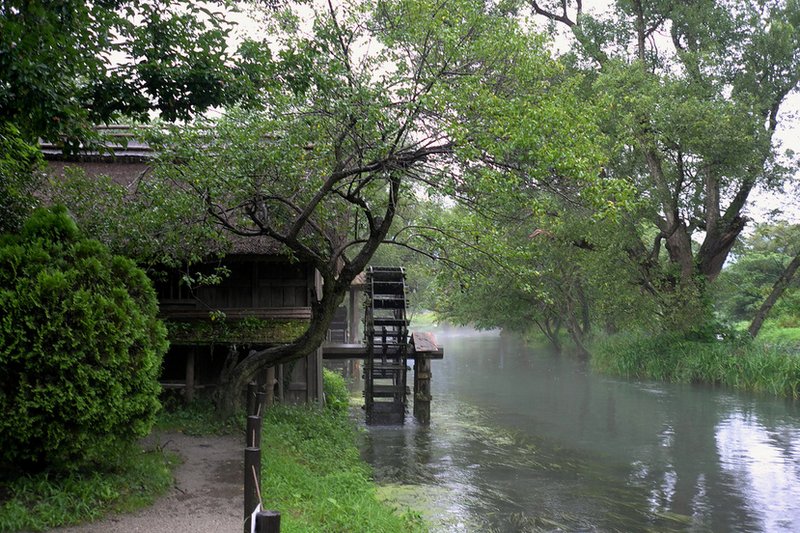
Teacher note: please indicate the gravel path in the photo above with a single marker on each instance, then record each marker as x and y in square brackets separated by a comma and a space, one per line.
[206, 497]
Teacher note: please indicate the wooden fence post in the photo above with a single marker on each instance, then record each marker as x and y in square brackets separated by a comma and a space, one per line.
[252, 479]
[268, 522]
[252, 406]
[265, 521]
[253, 431]
[188, 391]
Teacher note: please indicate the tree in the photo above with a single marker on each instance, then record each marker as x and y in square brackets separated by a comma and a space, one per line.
[80, 348]
[377, 104]
[693, 93]
[557, 270]
[766, 262]
[781, 284]
[67, 66]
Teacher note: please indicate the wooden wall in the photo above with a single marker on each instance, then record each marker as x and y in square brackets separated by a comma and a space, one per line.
[258, 283]
[252, 282]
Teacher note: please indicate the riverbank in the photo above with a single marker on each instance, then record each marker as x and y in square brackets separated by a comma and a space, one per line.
[312, 471]
[768, 365]
[313, 474]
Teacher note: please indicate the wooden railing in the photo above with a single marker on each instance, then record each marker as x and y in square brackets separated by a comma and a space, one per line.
[238, 313]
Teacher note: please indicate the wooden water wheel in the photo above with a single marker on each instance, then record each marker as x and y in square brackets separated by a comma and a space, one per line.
[386, 335]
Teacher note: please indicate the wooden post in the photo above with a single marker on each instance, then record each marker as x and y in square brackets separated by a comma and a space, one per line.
[270, 399]
[252, 477]
[188, 391]
[252, 407]
[253, 435]
[268, 522]
[422, 390]
[281, 397]
[352, 323]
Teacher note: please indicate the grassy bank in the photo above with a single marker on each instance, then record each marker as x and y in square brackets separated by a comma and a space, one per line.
[762, 365]
[40, 502]
[313, 474]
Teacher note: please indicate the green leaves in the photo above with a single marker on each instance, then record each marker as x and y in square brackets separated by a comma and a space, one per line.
[80, 348]
[68, 66]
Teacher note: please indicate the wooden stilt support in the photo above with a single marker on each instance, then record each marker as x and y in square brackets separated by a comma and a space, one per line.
[188, 391]
[281, 397]
[422, 390]
[270, 387]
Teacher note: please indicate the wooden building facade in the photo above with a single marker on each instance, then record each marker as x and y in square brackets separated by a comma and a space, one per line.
[262, 300]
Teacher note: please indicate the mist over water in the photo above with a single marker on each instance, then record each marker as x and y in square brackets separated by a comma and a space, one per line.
[525, 440]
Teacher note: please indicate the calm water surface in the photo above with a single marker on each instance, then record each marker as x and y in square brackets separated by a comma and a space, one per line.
[524, 440]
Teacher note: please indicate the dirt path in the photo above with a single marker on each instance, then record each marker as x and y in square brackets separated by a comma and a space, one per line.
[206, 497]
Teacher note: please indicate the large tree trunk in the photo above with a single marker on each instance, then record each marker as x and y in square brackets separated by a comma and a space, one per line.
[336, 284]
[716, 247]
[777, 290]
[322, 315]
[551, 329]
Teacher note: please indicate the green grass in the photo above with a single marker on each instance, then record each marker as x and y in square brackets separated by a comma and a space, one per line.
[774, 334]
[761, 365]
[313, 475]
[40, 502]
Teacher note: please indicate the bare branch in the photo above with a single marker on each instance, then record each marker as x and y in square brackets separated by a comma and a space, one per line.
[562, 18]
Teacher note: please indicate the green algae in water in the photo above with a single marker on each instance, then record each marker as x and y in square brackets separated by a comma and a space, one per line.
[427, 501]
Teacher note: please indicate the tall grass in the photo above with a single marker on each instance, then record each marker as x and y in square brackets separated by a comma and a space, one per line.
[313, 474]
[757, 366]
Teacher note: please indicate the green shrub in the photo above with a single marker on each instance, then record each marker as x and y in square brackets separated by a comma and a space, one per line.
[80, 348]
[337, 397]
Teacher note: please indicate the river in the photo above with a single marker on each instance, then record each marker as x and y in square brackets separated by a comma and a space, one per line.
[526, 440]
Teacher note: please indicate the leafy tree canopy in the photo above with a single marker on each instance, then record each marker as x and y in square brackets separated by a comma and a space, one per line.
[67, 66]
[693, 94]
[376, 104]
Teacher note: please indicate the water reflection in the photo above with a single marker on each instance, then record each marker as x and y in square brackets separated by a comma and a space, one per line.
[523, 440]
[763, 462]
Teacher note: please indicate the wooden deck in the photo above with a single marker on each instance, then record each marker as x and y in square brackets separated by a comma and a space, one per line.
[423, 346]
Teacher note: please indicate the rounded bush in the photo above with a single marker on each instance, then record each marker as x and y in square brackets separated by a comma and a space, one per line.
[80, 348]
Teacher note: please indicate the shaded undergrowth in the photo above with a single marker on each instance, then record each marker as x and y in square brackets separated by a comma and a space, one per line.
[197, 418]
[38, 502]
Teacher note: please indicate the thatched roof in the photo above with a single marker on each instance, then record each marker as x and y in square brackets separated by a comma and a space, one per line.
[126, 161]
